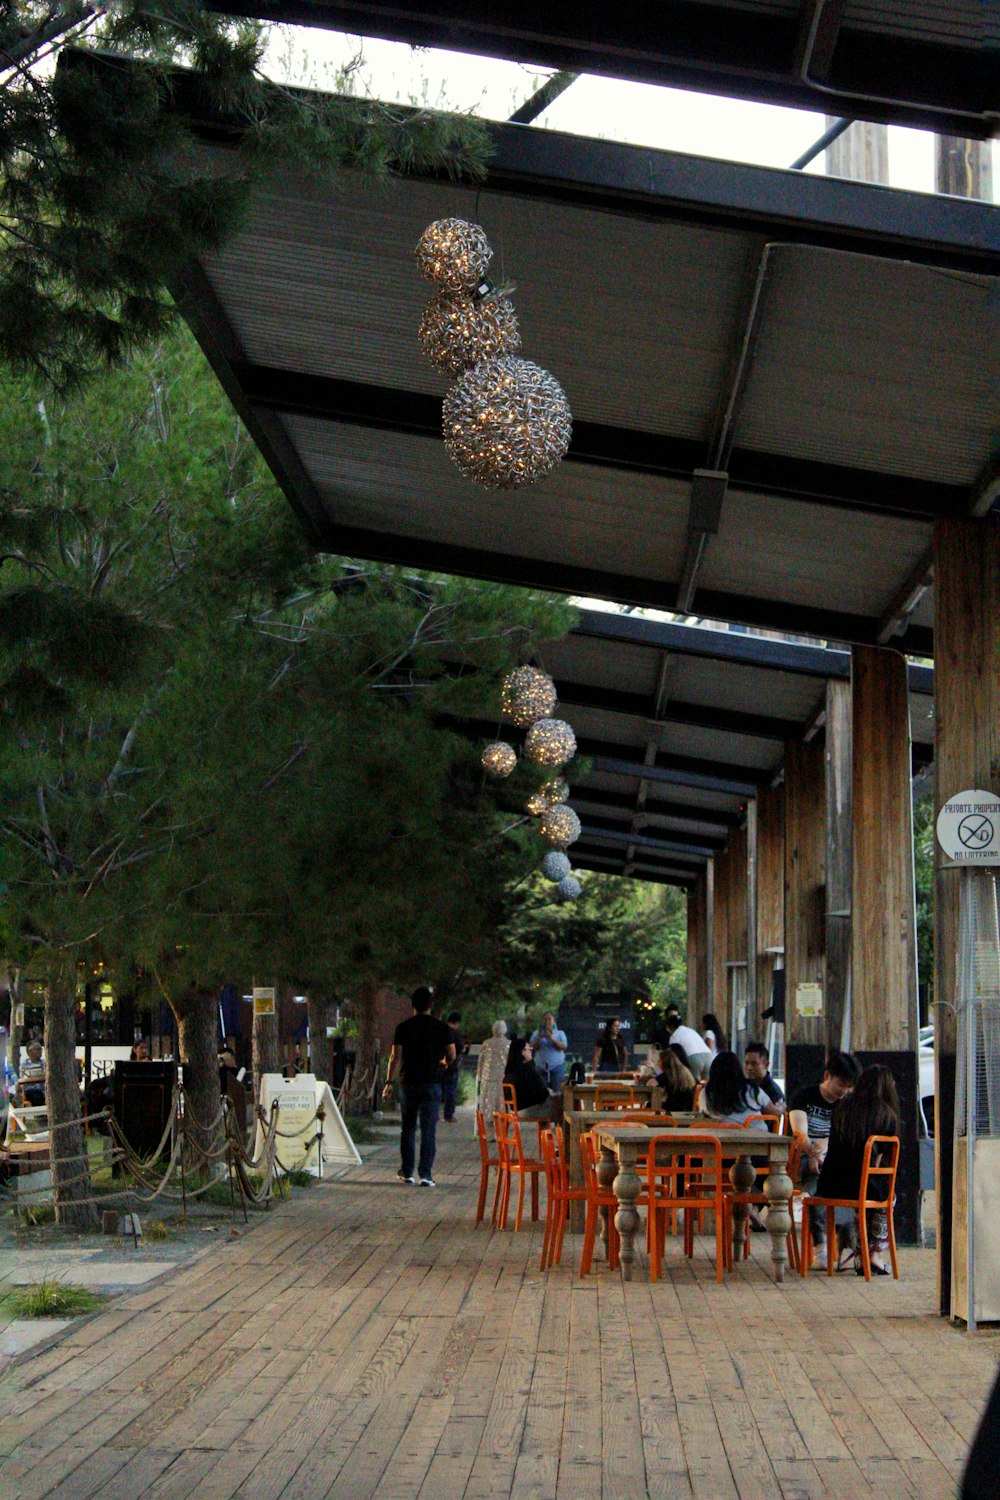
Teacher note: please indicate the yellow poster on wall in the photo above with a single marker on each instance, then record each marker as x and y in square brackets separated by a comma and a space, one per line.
[263, 1001]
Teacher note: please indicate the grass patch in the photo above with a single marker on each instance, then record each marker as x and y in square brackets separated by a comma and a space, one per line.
[155, 1229]
[33, 1215]
[53, 1299]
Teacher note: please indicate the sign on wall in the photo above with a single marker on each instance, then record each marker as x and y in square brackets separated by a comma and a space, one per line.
[968, 828]
[263, 1001]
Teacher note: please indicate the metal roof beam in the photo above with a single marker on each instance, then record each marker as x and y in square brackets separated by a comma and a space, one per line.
[906, 598]
[698, 716]
[387, 409]
[707, 819]
[674, 776]
[697, 843]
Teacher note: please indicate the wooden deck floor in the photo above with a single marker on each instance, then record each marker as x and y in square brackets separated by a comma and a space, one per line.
[367, 1340]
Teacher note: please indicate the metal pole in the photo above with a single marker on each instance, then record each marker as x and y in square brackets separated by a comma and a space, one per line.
[967, 929]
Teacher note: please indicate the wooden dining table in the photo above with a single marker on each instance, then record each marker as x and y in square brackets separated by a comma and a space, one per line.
[621, 1145]
[578, 1096]
[575, 1123]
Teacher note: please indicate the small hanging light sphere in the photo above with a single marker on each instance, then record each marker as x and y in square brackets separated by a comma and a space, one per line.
[499, 759]
[527, 694]
[507, 423]
[453, 253]
[550, 742]
[555, 790]
[559, 826]
[568, 888]
[536, 804]
[459, 330]
[556, 865]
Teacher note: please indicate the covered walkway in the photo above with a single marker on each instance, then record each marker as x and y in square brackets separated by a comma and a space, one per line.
[367, 1340]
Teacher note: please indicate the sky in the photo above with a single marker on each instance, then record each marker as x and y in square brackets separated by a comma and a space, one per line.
[614, 109]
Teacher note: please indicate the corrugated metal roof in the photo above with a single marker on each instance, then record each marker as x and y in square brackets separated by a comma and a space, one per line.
[969, 23]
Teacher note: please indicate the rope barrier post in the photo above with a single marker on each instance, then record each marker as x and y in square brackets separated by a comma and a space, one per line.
[320, 1117]
[182, 1137]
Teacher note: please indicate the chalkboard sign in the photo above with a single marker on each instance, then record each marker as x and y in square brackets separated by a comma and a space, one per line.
[143, 1098]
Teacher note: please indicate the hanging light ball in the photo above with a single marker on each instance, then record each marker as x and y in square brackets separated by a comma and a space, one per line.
[568, 888]
[556, 865]
[527, 694]
[453, 253]
[536, 804]
[507, 423]
[559, 826]
[458, 330]
[555, 790]
[499, 759]
[550, 742]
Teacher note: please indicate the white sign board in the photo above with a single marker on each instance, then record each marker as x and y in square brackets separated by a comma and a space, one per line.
[809, 999]
[299, 1099]
[263, 1000]
[968, 828]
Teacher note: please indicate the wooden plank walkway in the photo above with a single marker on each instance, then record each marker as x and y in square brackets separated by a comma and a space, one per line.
[366, 1340]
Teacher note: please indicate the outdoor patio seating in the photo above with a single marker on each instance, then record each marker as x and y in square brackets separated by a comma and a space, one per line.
[860, 1205]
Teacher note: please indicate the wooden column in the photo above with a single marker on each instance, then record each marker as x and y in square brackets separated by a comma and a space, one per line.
[805, 906]
[884, 1017]
[736, 937]
[966, 756]
[719, 1000]
[752, 1008]
[838, 762]
[770, 807]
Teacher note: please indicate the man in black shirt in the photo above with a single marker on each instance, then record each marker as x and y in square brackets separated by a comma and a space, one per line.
[810, 1112]
[421, 1048]
[449, 1083]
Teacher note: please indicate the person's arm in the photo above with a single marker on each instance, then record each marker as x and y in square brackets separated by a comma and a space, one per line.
[799, 1121]
[559, 1040]
[536, 1041]
[449, 1052]
[395, 1058]
[597, 1055]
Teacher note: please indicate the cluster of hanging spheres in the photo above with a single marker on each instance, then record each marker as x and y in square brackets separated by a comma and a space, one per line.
[528, 698]
[507, 422]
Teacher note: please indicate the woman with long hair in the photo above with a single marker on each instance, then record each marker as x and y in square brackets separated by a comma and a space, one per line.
[872, 1109]
[677, 1082]
[726, 1096]
[610, 1055]
[714, 1033]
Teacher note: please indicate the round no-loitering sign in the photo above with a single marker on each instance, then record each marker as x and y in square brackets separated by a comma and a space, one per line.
[968, 828]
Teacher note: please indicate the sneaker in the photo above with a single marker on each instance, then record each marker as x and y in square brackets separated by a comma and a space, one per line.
[426, 1182]
[404, 1176]
[819, 1258]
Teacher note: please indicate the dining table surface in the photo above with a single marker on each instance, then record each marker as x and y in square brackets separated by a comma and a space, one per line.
[621, 1145]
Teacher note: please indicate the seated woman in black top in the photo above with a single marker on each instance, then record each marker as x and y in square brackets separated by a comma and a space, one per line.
[534, 1102]
[872, 1109]
[676, 1081]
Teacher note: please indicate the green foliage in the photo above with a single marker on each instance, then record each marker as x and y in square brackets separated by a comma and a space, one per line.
[102, 194]
[923, 849]
[619, 935]
[54, 1299]
[257, 774]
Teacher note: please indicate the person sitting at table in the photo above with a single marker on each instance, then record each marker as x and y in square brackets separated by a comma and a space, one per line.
[677, 1082]
[872, 1109]
[810, 1113]
[33, 1076]
[727, 1095]
[757, 1067]
[534, 1102]
[610, 1055]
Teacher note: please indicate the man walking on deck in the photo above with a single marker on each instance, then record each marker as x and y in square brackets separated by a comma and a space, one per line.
[421, 1048]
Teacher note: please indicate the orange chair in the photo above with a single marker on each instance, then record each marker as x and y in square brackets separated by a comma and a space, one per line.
[485, 1162]
[559, 1196]
[874, 1144]
[614, 1097]
[510, 1098]
[514, 1161]
[680, 1182]
[596, 1198]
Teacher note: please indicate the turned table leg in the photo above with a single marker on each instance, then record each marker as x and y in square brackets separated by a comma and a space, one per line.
[607, 1170]
[627, 1189]
[778, 1191]
[741, 1175]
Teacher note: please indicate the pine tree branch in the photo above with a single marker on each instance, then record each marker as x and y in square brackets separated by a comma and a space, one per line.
[16, 55]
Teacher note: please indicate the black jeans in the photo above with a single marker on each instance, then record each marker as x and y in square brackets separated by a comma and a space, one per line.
[449, 1093]
[419, 1103]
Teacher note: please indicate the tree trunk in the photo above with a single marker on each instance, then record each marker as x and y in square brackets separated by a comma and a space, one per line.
[197, 1045]
[319, 1047]
[366, 1015]
[16, 1028]
[266, 1056]
[68, 1149]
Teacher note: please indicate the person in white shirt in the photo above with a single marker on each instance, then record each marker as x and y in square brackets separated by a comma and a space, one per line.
[699, 1059]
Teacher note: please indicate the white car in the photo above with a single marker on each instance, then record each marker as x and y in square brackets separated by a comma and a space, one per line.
[925, 1079]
